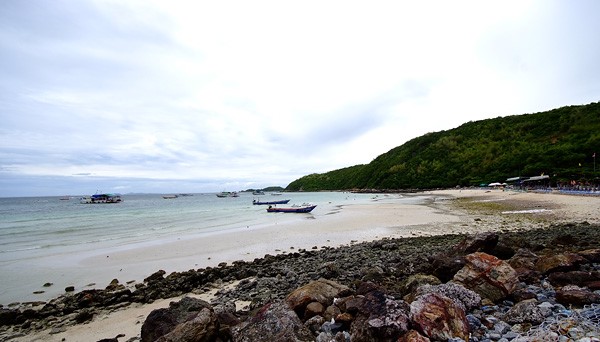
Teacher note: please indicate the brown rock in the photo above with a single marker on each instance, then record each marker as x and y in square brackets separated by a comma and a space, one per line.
[380, 318]
[322, 291]
[273, 322]
[189, 316]
[487, 275]
[524, 258]
[592, 255]
[445, 267]
[577, 296]
[313, 309]
[559, 263]
[413, 336]
[579, 278]
[415, 281]
[439, 318]
[482, 242]
[200, 327]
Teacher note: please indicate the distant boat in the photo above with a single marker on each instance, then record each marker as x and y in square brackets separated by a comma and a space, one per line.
[101, 198]
[276, 194]
[227, 194]
[258, 192]
[256, 202]
[170, 196]
[293, 209]
[65, 198]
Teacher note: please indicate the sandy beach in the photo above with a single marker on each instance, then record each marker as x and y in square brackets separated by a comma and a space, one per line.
[447, 211]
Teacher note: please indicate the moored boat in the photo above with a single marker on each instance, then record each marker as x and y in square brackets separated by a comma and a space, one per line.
[305, 208]
[169, 196]
[256, 202]
[101, 198]
[227, 194]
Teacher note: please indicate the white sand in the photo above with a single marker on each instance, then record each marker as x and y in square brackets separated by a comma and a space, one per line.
[352, 223]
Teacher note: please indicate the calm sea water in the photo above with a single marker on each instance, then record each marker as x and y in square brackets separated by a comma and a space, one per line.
[32, 230]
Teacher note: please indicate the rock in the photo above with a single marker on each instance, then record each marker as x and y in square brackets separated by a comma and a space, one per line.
[591, 255]
[273, 322]
[577, 296]
[462, 296]
[481, 242]
[69, 288]
[413, 336]
[439, 318]
[445, 267]
[156, 276]
[380, 318]
[526, 311]
[487, 275]
[201, 326]
[559, 263]
[161, 322]
[114, 339]
[579, 278]
[313, 309]
[322, 291]
[415, 281]
[524, 258]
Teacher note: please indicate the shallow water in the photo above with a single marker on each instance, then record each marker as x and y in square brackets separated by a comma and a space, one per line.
[37, 233]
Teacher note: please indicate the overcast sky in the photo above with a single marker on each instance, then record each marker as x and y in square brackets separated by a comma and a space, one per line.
[202, 96]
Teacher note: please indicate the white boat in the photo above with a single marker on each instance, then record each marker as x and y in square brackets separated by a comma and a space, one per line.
[170, 196]
[227, 194]
[101, 198]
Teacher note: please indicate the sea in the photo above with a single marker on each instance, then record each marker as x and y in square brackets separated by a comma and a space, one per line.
[36, 231]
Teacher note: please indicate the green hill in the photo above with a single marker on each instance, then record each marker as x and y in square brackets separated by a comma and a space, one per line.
[559, 143]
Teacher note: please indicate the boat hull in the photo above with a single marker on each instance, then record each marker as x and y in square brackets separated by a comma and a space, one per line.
[307, 209]
[255, 202]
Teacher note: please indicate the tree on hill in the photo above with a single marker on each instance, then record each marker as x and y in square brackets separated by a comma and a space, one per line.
[559, 142]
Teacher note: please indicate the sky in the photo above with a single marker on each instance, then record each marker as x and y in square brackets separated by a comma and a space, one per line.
[203, 96]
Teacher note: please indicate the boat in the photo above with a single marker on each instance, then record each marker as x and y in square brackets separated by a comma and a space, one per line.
[258, 192]
[170, 196]
[65, 198]
[101, 198]
[256, 202]
[305, 208]
[227, 194]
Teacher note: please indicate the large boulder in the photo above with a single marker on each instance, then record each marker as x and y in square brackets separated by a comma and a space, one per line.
[559, 263]
[379, 317]
[188, 317]
[487, 275]
[273, 322]
[199, 327]
[322, 291]
[463, 297]
[439, 317]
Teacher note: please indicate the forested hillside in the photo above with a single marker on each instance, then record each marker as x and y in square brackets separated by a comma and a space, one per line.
[559, 143]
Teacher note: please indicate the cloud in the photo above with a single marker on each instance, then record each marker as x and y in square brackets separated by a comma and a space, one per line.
[147, 95]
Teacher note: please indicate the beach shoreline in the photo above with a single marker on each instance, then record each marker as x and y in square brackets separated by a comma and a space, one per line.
[445, 212]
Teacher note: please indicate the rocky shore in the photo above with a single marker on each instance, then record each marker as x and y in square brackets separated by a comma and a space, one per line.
[540, 283]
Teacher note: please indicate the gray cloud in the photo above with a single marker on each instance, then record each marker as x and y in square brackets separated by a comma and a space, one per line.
[146, 96]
